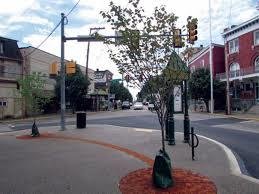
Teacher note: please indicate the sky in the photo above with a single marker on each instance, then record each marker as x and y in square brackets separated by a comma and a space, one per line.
[30, 22]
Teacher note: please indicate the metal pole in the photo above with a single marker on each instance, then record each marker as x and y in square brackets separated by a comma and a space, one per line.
[227, 77]
[62, 73]
[186, 122]
[211, 68]
[88, 49]
[170, 121]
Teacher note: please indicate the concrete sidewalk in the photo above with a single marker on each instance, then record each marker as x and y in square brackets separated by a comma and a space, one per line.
[93, 160]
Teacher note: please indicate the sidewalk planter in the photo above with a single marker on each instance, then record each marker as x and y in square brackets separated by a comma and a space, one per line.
[80, 119]
[162, 177]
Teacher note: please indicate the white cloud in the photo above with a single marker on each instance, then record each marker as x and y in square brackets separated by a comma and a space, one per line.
[32, 19]
[88, 13]
[11, 7]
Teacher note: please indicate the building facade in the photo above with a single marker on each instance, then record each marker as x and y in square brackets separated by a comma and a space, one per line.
[202, 59]
[10, 72]
[36, 60]
[242, 63]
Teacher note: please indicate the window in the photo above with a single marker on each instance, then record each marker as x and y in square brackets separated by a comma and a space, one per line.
[3, 103]
[257, 64]
[192, 69]
[256, 37]
[233, 46]
[234, 70]
[1, 47]
[202, 62]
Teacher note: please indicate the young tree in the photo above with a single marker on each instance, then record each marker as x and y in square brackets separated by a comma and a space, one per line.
[76, 88]
[31, 89]
[200, 88]
[144, 52]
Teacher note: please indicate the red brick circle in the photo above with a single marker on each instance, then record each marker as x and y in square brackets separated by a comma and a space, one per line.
[185, 182]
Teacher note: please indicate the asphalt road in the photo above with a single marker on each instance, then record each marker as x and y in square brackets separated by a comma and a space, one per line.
[229, 131]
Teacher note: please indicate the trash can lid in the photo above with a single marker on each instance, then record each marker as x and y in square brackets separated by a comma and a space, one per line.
[80, 112]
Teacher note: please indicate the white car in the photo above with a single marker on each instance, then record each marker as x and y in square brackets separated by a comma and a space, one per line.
[138, 106]
[151, 106]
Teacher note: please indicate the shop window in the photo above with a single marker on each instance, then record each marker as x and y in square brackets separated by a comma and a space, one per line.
[233, 46]
[256, 37]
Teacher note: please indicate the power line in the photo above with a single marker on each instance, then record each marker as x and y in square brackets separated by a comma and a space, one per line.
[52, 31]
[43, 40]
[73, 8]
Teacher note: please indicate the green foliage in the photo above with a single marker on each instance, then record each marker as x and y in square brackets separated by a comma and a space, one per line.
[32, 91]
[121, 93]
[145, 51]
[199, 85]
[76, 89]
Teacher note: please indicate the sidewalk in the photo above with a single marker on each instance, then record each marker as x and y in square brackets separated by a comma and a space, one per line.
[93, 160]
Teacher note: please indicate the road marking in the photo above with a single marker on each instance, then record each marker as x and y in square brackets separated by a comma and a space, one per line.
[247, 121]
[144, 130]
[234, 127]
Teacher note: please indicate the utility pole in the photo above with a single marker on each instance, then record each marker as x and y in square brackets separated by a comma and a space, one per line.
[62, 74]
[88, 48]
[227, 79]
[211, 68]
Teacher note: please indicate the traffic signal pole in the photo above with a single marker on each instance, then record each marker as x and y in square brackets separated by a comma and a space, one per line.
[62, 75]
[89, 38]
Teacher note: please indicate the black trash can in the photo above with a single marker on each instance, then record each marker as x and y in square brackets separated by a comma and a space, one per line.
[80, 119]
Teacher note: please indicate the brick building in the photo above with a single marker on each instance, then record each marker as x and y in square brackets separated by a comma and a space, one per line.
[202, 59]
[242, 63]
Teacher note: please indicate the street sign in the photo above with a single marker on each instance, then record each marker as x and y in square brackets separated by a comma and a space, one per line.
[178, 102]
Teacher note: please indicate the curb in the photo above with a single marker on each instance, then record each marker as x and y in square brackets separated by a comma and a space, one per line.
[234, 166]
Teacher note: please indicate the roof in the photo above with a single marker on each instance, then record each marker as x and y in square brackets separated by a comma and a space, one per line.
[203, 51]
[11, 50]
[240, 27]
[28, 47]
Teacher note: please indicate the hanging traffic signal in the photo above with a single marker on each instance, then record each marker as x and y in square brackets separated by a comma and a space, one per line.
[53, 70]
[192, 33]
[177, 36]
[70, 67]
[127, 78]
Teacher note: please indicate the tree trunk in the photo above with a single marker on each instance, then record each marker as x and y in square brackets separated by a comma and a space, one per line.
[163, 134]
[195, 105]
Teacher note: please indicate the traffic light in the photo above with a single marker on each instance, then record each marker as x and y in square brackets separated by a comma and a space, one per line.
[127, 78]
[177, 34]
[70, 67]
[53, 70]
[192, 33]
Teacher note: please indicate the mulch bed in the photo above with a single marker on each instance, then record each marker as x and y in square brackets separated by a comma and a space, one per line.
[185, 182]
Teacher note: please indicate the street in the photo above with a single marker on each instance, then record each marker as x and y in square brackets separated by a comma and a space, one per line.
[241, 136]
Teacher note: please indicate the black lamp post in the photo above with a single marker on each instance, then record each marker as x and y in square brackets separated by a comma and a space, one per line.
[186, 122]
[170, 121]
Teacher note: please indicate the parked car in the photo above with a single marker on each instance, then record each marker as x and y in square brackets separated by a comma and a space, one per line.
[138, 106]
[151, 106]
[125, 105]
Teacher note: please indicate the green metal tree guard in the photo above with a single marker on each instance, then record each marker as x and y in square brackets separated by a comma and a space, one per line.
[186, 121]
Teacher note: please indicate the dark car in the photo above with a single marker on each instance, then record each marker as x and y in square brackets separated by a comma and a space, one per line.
[125, 105]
